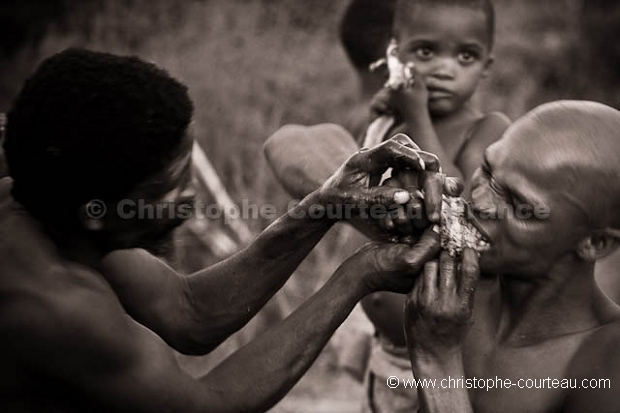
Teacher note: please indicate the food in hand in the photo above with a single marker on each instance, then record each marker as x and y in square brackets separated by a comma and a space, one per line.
[400, 74]
[456, 232]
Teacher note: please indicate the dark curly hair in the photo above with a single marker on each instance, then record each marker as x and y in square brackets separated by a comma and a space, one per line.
[365, 30]
[90, 125]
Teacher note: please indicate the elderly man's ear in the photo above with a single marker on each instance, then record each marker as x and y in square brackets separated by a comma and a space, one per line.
[599, 244]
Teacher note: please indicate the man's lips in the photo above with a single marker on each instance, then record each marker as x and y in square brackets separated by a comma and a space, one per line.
[473, 219]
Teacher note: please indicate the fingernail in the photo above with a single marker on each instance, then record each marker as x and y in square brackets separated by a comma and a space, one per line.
[401, 197]
[422, 164]
[435, 229]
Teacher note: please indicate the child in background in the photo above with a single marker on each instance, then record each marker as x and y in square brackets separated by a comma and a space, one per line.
[365, 32]
[450, 44]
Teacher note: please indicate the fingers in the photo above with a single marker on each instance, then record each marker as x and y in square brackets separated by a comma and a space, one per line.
[453, 186]
[380, 104]
[401, 220]
[447, 278]
[383, 195]
[470, 272]
[431, 161]
[433, 190]
[423, 251]
[429, 284]
[405, 140]
[390, 153]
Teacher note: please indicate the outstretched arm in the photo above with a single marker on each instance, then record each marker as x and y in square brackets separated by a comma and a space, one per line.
[196, 313]
[80, 335]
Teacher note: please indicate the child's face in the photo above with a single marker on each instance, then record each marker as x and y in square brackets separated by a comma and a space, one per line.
[450, 49]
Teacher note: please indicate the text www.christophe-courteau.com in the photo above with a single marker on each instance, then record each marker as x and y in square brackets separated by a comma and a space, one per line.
[497, 383]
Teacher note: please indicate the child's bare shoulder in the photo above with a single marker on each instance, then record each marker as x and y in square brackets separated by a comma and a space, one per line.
[491, 119]
[482, 132]
[487, 128]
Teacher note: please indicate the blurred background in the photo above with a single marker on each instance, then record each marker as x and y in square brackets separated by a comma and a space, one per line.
[254, 65]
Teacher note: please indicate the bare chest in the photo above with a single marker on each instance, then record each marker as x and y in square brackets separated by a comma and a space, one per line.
[452, 137]
[518, 379]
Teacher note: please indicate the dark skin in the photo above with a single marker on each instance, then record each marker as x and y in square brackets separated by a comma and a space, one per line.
[88, 334]
[543, 316]
[451, 52]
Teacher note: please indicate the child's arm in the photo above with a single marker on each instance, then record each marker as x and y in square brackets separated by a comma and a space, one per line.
[411, 105]
[484, 133]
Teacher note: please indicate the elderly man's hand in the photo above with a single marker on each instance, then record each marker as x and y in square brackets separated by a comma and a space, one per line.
[355, 185]
[438, 310]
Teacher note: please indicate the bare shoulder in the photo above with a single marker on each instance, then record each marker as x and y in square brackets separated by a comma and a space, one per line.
[488, 127]
[483, 132]
[46, 301]
[56, 301]
[595, 369]
[599, 351]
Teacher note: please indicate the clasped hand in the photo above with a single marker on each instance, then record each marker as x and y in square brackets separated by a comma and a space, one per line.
[439, 308]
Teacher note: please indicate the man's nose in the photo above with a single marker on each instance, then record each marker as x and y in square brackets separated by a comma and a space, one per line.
[444, 68]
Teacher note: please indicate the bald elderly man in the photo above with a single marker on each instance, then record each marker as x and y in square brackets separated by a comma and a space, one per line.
[540, 335]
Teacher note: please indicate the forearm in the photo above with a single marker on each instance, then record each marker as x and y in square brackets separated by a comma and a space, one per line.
[227, 295]
[261, 373]
[440, 369]
[420, 128]
[194, 314]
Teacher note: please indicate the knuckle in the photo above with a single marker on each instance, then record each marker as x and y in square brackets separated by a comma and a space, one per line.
[469, 269]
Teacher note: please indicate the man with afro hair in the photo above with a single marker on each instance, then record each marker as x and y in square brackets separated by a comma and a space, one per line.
[89, 320]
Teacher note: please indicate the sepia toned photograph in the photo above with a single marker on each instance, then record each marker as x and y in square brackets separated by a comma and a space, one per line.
[315, 206]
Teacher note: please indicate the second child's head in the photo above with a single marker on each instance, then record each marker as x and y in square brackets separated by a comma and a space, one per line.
[450, 43]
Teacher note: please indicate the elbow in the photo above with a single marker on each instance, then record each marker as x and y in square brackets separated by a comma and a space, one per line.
[193, 346]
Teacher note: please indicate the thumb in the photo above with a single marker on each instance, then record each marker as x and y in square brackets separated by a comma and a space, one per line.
[385, 195]
[453, 186]
[470, 273]
[423, 251]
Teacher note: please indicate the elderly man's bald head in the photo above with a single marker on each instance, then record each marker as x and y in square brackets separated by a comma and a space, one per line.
[572, 148]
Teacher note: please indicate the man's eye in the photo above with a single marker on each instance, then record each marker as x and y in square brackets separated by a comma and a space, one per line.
[424, 53]
[493, 184]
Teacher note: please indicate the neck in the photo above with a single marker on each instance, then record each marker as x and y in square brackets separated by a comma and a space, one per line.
[77, 246]
[464, 112]
[565, 300]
